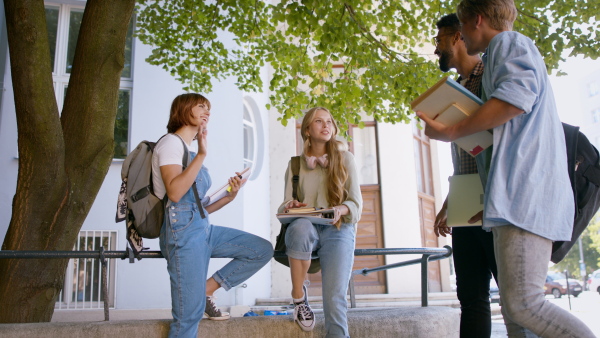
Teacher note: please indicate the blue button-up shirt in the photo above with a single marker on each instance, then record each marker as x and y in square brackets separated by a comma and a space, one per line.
[527, 183]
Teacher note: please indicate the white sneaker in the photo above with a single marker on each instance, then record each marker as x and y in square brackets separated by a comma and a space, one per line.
[303, 314]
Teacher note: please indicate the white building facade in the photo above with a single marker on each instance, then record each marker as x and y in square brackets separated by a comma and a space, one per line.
[399, 166]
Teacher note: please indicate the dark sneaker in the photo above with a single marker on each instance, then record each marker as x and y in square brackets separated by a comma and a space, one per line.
[303, 314]
[211, 312]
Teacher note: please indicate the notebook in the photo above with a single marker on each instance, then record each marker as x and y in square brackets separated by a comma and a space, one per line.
[315, 215]
[465, 199]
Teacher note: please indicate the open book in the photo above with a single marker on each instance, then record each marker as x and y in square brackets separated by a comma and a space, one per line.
[314, 215]
[448, 103]
[224, 190]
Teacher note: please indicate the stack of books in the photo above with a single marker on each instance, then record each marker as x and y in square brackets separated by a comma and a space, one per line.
[448, 103]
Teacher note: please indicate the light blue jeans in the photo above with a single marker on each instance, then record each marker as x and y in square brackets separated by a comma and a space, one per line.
[188, 242]
[336, 252]
[522, 258]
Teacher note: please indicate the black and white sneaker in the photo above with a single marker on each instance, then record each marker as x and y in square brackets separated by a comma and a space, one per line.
[212, 312]
[303, 314]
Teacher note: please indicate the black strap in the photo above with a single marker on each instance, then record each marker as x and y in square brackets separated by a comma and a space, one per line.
[296, 176]
[592, 173]
[185, 160]
[198, 200]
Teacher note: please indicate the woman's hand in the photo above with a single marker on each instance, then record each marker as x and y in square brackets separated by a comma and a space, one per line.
[339, 211]
[202, 144]
[235, 184]
[293, 204]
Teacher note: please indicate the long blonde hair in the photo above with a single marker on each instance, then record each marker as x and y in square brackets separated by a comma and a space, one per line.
[337, 174]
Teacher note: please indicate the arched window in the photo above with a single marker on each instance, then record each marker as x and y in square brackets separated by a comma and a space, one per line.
[253, 138]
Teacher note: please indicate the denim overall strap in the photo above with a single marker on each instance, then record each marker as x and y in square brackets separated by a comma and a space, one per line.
[185, 161]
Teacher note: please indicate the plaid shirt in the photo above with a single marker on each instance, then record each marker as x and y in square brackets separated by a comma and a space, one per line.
[463, 162]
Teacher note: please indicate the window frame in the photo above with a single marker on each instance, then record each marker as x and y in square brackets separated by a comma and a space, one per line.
[60, 77]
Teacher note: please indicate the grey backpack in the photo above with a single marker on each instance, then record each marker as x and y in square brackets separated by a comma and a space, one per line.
[137, 203]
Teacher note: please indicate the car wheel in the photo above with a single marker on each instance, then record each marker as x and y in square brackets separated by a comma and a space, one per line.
[556, 293]
[576, 294]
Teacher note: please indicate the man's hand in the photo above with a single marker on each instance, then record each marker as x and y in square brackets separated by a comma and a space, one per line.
[478, 217]
[491, 114]
[434, 129]
[440, 227]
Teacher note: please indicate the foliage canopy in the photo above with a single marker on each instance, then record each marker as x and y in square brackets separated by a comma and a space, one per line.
[350, 56]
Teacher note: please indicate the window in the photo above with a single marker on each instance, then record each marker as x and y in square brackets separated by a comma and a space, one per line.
[253, 138]
[63, 22]
[422, 160]
[249, 138]
[593, 88]
[596, 115]
[364, 148]
[83, 279]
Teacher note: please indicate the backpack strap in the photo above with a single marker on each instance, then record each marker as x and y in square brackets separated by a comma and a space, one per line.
[185, 161]
[296, 176]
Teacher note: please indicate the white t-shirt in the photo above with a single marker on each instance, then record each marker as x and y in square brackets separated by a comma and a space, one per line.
[168, 151]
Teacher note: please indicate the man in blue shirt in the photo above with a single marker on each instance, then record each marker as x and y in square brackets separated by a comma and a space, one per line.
[528, 200]
[472, 247]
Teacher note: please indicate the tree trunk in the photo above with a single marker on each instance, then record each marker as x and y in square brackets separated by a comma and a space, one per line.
[63, 159]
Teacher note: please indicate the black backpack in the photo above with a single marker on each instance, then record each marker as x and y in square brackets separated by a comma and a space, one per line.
[584, 172]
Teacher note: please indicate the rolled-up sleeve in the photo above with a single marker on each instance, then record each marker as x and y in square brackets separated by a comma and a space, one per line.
[515, 79]
[354, 201]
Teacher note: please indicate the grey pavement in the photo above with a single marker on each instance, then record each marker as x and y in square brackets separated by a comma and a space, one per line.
[413, 322]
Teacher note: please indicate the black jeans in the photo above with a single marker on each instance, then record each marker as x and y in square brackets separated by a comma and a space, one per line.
[474, 262]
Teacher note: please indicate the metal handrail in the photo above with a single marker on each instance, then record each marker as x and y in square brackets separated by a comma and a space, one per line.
[429, 254]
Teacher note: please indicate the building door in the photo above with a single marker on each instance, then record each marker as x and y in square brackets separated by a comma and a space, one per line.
[422, 150]
[369, 233]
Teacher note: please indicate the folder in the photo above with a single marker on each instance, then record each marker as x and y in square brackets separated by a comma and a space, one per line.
[465, 199]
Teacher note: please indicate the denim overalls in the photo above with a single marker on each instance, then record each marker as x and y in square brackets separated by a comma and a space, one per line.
[188, 241]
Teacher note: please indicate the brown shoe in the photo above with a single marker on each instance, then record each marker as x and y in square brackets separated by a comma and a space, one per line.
[211, 312]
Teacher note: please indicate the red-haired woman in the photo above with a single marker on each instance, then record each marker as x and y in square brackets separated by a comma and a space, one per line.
[187, 238]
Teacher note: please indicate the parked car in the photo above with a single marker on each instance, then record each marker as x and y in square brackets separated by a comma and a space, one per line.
[494, 292]
[594, 281]
[556, 285]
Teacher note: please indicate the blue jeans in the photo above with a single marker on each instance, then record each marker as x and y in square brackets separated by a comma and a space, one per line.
[474, 261]
[522, 259]
[336, 253]
[188, 242]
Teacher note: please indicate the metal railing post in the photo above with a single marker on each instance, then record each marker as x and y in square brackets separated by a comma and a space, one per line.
[351, 288]
[424, 280]
[102, 260]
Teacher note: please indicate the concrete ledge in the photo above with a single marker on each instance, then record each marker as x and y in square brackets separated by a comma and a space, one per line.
[414, 322]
